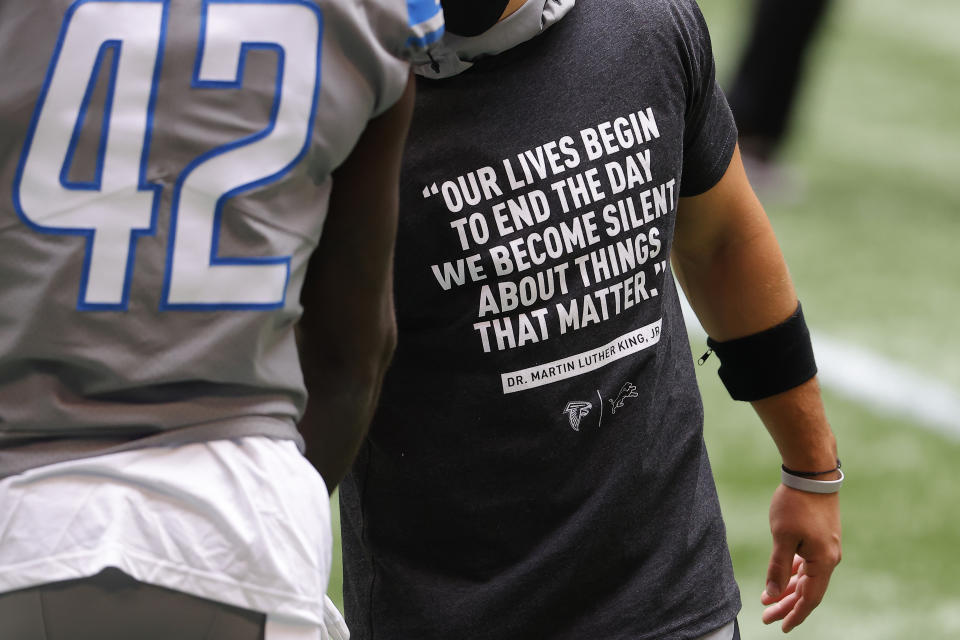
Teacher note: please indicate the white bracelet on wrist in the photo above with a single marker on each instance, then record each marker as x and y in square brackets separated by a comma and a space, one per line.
[811, 486]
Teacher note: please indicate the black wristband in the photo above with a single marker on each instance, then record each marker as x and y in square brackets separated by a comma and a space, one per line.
[769, 362]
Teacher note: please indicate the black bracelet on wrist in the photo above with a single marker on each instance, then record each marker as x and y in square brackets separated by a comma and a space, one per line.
[810, 474]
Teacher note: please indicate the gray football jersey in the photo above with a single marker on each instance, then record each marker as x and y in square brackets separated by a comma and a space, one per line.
[165, 167]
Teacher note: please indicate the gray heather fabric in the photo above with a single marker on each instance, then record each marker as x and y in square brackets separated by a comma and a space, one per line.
[113, 606]
[729, 631]
[536, 467]
[114, 328]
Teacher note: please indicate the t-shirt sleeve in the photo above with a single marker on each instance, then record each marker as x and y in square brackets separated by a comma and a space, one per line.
[405, 30]
[710, 134]
[425, 24]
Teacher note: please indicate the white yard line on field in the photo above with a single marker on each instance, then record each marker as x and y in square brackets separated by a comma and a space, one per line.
[880, 384]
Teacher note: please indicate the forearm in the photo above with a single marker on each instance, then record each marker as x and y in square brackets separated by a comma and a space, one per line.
[347, 333]
[745, 289]
[794, 418]
[729, 263]
[346, 339]
[343, 377]
[798, 425]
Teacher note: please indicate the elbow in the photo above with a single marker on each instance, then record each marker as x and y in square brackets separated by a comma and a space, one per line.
[365, 361]
[361, 373]
[364, 365]
[352, 362]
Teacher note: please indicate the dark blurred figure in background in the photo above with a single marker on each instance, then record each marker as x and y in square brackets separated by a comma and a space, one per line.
[765, 85]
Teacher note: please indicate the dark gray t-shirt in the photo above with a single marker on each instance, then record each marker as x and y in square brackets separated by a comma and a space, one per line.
[536, 468]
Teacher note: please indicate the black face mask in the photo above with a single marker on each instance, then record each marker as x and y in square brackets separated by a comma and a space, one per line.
[472, 17]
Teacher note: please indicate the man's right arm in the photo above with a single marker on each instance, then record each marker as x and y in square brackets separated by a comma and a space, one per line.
[347, 333]
[729, 263]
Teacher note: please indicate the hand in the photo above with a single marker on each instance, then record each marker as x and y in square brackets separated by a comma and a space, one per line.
[806, 548]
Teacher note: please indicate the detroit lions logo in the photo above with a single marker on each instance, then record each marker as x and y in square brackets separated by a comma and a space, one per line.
[628, 390]
[575, 411]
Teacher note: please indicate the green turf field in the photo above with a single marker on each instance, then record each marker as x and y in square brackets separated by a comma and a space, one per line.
[871, 246]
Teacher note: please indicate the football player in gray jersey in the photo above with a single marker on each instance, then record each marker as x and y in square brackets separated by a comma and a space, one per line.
[181, 181]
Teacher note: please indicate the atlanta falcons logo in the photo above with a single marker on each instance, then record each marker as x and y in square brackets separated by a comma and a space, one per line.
[575, 411]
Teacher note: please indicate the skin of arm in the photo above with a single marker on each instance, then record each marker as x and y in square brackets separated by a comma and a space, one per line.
[512, 7]
[729, 264]
[347, 333]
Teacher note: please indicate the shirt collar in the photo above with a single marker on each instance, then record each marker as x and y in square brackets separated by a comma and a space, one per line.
[455, 54]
